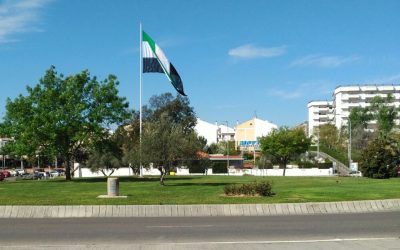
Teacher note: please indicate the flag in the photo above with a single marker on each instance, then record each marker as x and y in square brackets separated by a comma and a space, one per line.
[154, 60]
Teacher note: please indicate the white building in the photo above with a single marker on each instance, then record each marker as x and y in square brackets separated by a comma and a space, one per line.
[319, 113]
[214, 132]
[348, 97]
[345, 98]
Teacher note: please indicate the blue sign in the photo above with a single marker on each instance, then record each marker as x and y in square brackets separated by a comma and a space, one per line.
[248, 143]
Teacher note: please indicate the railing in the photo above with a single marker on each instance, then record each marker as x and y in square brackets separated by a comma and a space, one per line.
[342, 169]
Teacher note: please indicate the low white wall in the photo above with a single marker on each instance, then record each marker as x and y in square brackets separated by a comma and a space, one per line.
[119, 172]
[234, 172]
[289, 172]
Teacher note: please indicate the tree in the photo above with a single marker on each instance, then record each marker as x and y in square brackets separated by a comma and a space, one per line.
[213, 148]
[106, 155]
[284, 145]
[168, 145]
[381, 158]
[329, 136]
[384, 113]
[64, 115]
[130, 137]
[380, 110]
[360, 117]
[168, 137]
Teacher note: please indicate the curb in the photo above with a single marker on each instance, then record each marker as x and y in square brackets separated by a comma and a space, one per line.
[121, 211]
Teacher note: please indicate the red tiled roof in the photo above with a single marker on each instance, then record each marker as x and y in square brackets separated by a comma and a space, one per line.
[225, 157]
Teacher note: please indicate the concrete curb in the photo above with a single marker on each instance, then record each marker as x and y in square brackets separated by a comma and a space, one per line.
[93, 211]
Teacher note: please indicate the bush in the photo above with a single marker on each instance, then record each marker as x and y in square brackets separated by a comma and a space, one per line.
[263, 188]
[380, 159]
[219, 167]
[306, 164]
[248, 156]
[198, 166]
[309, 164]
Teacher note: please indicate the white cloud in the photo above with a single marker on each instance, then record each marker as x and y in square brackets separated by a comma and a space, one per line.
[250, 51]
[324, 61]
[19, 17]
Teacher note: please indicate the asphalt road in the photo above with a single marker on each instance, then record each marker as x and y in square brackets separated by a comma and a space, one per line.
[340, 231]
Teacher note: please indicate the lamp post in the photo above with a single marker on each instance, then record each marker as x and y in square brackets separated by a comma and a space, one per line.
[349, 147]
[318, 139]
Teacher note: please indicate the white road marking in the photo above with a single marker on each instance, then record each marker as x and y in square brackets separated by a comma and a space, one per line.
[85, 246]
[188, 226]
[282, 241]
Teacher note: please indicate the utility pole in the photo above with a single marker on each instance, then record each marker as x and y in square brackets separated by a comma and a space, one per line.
[349, 147]
[318, 143]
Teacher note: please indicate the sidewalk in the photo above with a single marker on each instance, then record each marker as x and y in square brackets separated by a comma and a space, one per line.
[92, 211]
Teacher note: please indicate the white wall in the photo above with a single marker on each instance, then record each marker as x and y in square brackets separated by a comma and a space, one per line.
[233, 172]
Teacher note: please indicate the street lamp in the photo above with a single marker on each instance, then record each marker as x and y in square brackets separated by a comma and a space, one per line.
[319, 121]
[349, 147]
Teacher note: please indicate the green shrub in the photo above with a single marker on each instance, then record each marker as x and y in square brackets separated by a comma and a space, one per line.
[309, 164]
[198, 166]
[263, 188]
[306, 164]
[219, 167]
[248, 156]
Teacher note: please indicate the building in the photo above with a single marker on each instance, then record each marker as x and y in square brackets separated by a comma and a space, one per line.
[303, 126]
[4, 141]
[348, 97]
[235, 161]
[248, 132]
[214, 133]
[345, 98]
[319, 113]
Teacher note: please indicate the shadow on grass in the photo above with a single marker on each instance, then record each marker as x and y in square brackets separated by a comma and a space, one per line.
[215, 184]
[132, 179]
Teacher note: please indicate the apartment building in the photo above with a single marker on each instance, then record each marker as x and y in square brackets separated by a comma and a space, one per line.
[348, 97]
[319, 113]
[345, 98]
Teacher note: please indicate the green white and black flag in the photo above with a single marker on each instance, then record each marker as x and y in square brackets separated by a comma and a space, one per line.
[154, 60]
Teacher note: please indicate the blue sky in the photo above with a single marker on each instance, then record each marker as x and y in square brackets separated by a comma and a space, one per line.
[236, 58]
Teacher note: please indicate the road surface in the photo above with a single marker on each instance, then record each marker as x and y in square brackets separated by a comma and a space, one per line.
[338, 231]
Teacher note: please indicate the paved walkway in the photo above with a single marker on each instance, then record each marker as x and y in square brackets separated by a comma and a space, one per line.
[199, 210]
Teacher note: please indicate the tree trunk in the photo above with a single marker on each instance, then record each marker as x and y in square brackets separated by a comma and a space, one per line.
[284, 168]
[162, 174]
[68, 169]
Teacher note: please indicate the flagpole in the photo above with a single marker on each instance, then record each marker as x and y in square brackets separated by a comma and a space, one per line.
[140, 102]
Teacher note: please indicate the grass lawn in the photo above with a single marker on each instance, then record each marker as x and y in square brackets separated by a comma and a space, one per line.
[194, 190]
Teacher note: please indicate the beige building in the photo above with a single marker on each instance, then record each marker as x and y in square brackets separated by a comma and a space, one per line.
[248, 132]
